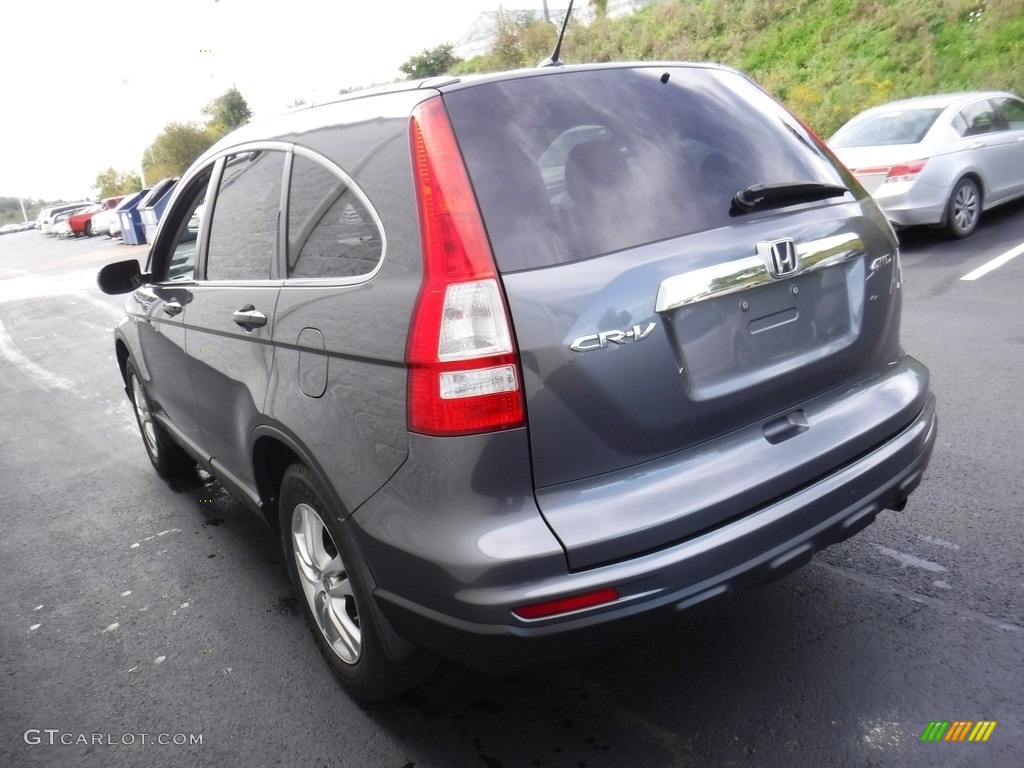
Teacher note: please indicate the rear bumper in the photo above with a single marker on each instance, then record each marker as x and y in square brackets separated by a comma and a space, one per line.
[910, 204]
[758, 547]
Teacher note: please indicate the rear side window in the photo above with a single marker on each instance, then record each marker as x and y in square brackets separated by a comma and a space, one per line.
[331, 233]
[573, 165]
[978, 118]
[1012, 111]
[243, 232]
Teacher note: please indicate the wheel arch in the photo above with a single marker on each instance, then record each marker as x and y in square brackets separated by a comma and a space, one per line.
[273, 451]
[121, 350]
[974, 176]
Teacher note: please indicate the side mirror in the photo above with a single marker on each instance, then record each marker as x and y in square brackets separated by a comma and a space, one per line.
[121, 277]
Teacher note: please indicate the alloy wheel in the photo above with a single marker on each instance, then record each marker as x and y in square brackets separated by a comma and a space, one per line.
[145, 417]
[965, 207]
[325, 583]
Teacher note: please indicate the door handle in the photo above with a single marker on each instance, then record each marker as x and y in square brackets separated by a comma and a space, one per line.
[249, 318]
[172, 308]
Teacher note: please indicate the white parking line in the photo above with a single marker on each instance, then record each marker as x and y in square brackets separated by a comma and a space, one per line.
[998, 261]
[46, 379]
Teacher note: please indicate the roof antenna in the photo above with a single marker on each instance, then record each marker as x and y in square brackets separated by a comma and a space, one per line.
[552, 60]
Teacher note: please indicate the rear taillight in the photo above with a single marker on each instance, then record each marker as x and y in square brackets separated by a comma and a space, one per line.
[905, 171]
[898, 172]
[463, 364]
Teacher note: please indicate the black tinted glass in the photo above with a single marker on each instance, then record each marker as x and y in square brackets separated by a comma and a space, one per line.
[243, 233]
[330, 231]
[573, 165]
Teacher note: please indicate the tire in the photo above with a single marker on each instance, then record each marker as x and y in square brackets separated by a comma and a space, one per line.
[167, 457]
[334, 599]
[88, 229]
[963, 209]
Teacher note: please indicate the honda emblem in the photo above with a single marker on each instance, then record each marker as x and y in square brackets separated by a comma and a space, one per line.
[780, 257]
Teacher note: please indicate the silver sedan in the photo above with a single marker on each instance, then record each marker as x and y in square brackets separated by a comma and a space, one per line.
[938, 160]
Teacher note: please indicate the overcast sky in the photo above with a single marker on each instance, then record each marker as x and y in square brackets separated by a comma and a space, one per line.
[89, 85]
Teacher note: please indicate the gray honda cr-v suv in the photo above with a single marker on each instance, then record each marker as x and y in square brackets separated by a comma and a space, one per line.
[522, 363]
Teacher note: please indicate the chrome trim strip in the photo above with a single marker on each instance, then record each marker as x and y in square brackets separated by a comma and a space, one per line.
[746, 273]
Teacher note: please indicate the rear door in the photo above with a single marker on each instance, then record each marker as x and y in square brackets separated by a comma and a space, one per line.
[231, 316]
[651, 315]
[1010, 147]
[994, 147]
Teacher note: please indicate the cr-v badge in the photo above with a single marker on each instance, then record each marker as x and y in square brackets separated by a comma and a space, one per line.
[602, 339]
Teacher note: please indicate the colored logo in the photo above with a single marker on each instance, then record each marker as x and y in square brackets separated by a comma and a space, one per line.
[958, 730]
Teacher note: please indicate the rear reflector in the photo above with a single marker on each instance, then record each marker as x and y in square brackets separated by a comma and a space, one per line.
[463, 364]
[567, 604]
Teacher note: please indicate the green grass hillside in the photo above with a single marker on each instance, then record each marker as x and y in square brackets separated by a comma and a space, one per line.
[825, 59]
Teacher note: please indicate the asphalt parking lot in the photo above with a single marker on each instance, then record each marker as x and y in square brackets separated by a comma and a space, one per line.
[147, 624]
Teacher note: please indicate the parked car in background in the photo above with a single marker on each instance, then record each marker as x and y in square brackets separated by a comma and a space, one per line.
[8, 229]
[80, 223]
[61, 226]
[99, 224]
[938, 160]
[47, 216]
[521, 364]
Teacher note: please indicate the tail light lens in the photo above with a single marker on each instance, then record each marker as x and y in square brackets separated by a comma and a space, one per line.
[463, 364]
[905, 171]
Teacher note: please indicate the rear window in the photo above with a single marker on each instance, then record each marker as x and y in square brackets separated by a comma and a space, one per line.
[902, 126]
[578, 164]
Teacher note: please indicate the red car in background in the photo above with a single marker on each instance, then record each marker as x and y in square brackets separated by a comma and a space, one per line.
[81, 223]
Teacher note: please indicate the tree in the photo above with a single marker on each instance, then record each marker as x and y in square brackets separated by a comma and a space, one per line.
[175, 149]
[431, 62]
[227, 112]
[521, 39]
[111, 183]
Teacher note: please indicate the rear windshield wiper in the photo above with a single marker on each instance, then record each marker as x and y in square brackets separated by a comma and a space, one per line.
[790, 192]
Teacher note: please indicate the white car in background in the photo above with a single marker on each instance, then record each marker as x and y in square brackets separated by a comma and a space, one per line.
[48, 216]
[938, 160]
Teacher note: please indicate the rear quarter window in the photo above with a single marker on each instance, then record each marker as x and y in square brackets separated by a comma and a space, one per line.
[577, 164]
[331, 232]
